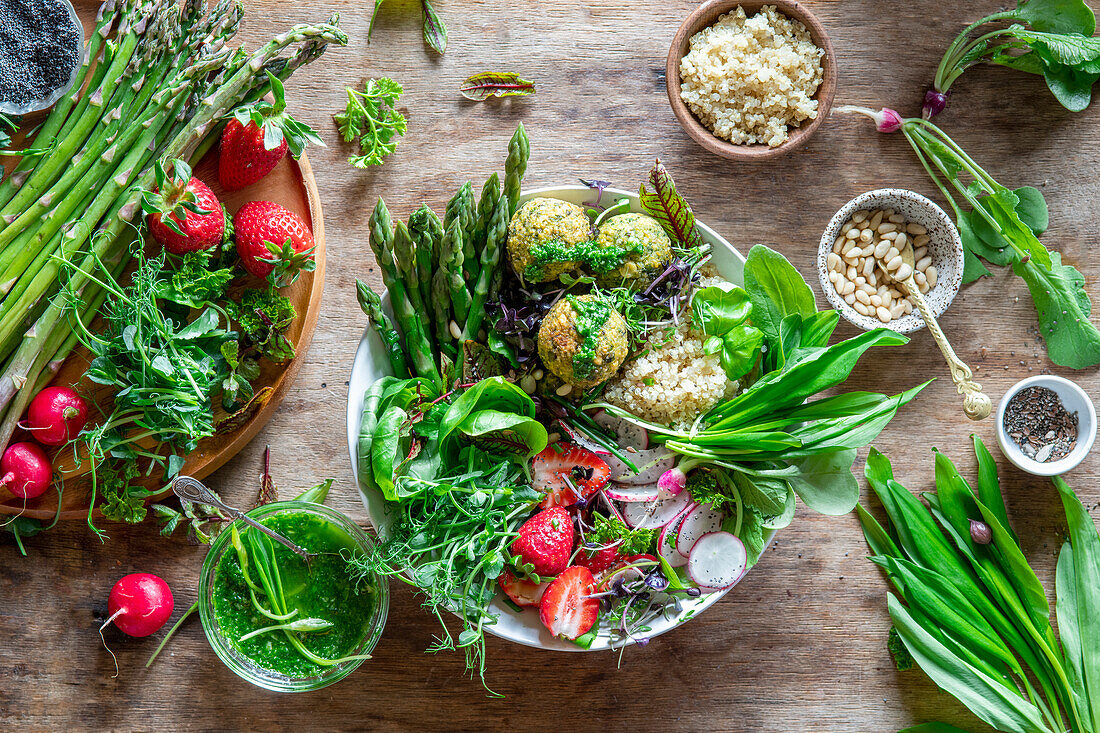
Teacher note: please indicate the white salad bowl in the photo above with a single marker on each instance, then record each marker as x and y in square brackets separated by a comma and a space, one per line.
[371, 364]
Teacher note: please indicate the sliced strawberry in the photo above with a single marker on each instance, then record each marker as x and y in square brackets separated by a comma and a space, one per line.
[546, 541]
[563, 469]
[567, 608]
[598, 560]
[523, 592]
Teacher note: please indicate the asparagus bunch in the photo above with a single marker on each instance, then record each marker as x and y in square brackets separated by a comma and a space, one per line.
[441, 273]
[158, 79]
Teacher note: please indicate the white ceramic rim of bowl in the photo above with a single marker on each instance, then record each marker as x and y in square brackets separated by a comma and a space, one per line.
[38, 105]
[525, 628]
[879, 198]
[1086, 419]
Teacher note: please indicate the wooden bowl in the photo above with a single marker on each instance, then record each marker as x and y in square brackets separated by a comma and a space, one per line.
[292, 185]
[707, 15]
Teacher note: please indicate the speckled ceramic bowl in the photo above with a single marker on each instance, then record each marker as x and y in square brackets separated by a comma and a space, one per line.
[945, 249]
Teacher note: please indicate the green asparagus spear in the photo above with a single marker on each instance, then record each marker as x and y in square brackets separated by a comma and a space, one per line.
[440, 303]
[371, 304]
[490, 265]
[427, 233]
[515, 168]
[454, 240]
[405, 255]
[490, 194]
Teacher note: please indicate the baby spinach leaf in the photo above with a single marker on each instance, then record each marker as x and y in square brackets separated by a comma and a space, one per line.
[776, 290]
[494, 393]
[741, 350]
[716, 310]
[505, 432]
[1063, 307]
[784, 518]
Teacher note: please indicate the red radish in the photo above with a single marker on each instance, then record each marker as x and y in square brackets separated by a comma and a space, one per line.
[25, 470]
[717, 561]
[139, 604]
[650, 515]
[622, 492]
[701, 520]
[666, 546]
[651, 464]
[56, 415]
[672, 481]
[626, 434]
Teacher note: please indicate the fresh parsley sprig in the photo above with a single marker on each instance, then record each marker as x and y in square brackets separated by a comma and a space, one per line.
[372, 119]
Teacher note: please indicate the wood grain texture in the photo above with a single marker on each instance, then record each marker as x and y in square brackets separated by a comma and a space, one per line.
[800, 645]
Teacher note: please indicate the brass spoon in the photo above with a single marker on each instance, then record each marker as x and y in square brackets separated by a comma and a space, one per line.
[191, 489]
[976, 404]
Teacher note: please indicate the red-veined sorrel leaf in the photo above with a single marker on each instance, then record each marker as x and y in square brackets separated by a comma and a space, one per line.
[435, 32]
[480, 87]
[669, 208]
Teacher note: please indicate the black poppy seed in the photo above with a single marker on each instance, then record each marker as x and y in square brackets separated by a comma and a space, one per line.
[1040, 425]
[39, 48]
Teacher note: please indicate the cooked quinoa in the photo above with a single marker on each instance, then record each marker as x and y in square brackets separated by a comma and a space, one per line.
[750, 79]
[672, 381]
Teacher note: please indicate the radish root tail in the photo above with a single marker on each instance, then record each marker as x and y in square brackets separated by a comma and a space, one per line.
[104, 640]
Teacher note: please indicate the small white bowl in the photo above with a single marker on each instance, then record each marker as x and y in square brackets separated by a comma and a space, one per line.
[1075, 400]
[945, 248]
[37, 105]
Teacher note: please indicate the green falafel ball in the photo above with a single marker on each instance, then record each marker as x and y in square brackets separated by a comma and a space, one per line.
[583, 340]
[649, 248]
[540, 236]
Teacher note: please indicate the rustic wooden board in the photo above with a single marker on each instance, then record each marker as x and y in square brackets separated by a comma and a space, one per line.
[800, 645]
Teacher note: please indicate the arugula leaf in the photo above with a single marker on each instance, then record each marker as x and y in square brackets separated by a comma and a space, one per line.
[768, 496]
[371, 117]
[1063, 308]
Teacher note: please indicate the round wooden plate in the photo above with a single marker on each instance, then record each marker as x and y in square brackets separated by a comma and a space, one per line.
[292, 185]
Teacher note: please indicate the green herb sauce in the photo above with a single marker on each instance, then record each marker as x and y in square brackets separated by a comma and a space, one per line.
[592, 315]
[592, 256]
[327, 593]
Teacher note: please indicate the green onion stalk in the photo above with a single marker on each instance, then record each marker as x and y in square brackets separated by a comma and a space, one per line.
[157, 82]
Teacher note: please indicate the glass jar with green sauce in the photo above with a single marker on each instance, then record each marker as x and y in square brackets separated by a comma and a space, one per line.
[355, 608]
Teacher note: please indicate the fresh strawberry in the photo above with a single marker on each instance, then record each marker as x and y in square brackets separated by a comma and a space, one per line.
[258, 137]
[563, 469]
[273, 240]
[567, 609]
[599, 560]
[523, 592]
[182, 212]
[546, 541]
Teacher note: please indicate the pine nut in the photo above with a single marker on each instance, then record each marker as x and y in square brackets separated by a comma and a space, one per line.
[894, 264]
[889, 236]
[860, 281]
[456, 332]
[852, 233]
[884, 314]
[862, 297]
[876, 219]
[527, 384]
[564, 390]
[848, 247]
[887, 301]
[861, 308]
[897, 310]
[903, 273]
[872, 279]
[833, 275]
[923, 263]
[900, 240]
[891, 254]
[921, 240]
[849, 287]
[886, 227]
[915, 229]
[539, 374]
[850, 298]
[833, 261]
[923, 288]
[908, 307]
[866, 236]
[881, 249]
[920, 253]
[932, 274]
[897, 218]
[888, 212]
[848, 226]
[876, 300]
[851, 272]
[868, 267]
[859, 217]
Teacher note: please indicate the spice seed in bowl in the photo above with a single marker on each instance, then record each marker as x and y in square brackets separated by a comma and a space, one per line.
[1040, 424]
[866, 265]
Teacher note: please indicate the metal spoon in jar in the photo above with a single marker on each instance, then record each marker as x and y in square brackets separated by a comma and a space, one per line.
[976, 404]
[191, 489]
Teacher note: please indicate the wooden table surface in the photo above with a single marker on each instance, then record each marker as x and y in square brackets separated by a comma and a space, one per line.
[800, 645]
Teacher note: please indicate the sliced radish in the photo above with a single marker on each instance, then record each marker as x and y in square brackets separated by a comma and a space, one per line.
[653, 514]
[582, 439]
[622, 492]
[698, 522]
[651, 465]
[666, 548]
[717, 561]
[626, 434]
